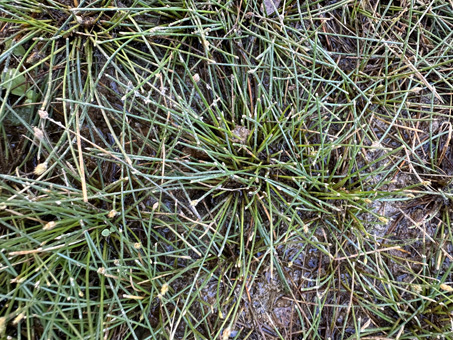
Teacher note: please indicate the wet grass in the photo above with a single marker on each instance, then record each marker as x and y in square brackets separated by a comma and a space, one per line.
[216, 170]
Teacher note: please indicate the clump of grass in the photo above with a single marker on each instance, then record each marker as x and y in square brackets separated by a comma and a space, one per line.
[188, 165]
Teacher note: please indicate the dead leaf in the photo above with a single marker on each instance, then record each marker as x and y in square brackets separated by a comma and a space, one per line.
[271, 6]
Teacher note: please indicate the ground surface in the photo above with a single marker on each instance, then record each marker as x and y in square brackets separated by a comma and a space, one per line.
[226, 169]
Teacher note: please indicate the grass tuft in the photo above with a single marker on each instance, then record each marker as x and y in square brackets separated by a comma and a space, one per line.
[225, 169]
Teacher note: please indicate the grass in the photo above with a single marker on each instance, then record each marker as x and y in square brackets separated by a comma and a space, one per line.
[216, 170]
